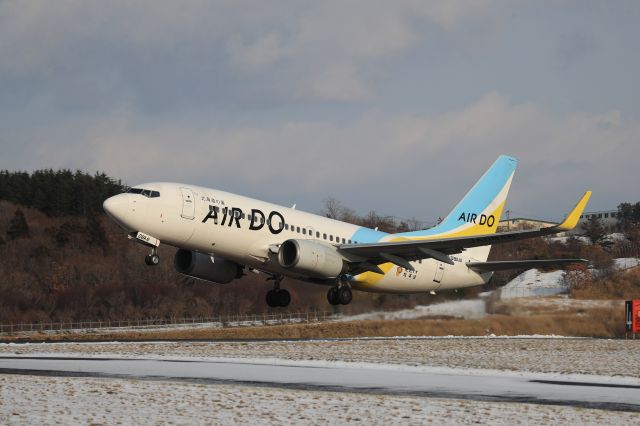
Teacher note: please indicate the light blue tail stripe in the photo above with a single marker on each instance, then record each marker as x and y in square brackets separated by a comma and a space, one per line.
[475, 201]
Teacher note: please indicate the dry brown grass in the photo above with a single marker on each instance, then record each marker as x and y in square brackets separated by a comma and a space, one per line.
[596, 322]
[621, 285]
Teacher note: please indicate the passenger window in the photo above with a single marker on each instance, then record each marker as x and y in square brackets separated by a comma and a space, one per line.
[317, 234]
[286, 226]
[349, 241]
[330, 237]
[298, 229]
[343, 242]
[324, 236]
[304, 231]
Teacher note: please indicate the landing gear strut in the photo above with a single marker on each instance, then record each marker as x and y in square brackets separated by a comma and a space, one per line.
[340, 294]
[278, 297]
[152, 259]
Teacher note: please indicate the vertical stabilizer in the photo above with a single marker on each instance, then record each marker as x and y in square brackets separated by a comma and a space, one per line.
[479, 211]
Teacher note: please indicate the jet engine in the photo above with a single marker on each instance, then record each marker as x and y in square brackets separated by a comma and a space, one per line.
[311, 258]
[205, 267]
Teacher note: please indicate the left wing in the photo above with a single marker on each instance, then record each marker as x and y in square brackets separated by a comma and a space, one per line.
[402, 252]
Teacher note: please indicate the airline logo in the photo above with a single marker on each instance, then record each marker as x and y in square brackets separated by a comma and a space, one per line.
[482, 219]
[257, 218]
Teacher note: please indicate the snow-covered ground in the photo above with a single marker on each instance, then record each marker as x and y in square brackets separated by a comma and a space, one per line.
[496, 364]
[564, 240]
[534, 283]
[64, 400]
[625, 263]
[467, 309]
[612, 238]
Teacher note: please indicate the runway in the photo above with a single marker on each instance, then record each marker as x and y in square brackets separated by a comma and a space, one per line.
[488, 385]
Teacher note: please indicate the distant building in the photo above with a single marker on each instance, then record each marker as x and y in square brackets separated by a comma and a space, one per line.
[608, 219]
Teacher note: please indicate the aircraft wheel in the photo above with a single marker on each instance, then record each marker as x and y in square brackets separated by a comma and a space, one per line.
[344, 295]
[152, 259]
[271, 299]
[283, 298]
[332, 296]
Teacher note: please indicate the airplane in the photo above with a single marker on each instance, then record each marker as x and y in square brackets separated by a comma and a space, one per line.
[220, 236]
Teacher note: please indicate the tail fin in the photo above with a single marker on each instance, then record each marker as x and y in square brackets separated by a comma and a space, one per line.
[479, 211]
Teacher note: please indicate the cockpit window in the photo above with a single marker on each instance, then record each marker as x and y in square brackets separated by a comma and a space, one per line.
[146, 192]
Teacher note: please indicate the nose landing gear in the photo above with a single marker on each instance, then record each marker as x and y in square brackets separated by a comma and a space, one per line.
[278, 297]
[340, 294]
[152, 259]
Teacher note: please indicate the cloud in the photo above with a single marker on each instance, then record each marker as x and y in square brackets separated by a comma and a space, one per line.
[338, 83]
[292, 46]
[422, 164]
[386, 105]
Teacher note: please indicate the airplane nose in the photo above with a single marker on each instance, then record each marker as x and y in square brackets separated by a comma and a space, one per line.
[117, 206]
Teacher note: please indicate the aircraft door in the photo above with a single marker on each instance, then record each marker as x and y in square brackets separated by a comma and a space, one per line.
[439, 273]
[188, 204]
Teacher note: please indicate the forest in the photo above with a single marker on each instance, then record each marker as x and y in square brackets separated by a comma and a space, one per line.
[62, 259]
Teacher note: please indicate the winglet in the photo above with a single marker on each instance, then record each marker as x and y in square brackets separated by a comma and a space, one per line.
[572, 218]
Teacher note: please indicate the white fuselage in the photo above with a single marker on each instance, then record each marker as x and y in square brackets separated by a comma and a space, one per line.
[216, 222]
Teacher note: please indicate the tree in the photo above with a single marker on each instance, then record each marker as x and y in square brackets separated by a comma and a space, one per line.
[629, 214]
[594, 229]
[96, 234]
[18, 227]
[334, 209]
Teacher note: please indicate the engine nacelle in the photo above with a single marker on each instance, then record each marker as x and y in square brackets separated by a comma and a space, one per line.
[311, 258]
[205, 267]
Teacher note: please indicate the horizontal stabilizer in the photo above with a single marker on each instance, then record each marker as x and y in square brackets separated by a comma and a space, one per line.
[521, 264]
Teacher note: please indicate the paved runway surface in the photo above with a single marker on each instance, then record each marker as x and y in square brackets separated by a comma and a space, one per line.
[609, 394]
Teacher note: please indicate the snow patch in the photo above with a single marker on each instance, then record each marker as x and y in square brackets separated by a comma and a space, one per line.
[465, 309]
[625, 263]
[534, 283]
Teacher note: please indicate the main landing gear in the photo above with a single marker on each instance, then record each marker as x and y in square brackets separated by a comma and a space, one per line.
[278, 297]
[340, 294]
[152, 259]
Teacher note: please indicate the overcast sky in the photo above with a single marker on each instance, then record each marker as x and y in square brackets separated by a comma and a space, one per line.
[393, 106]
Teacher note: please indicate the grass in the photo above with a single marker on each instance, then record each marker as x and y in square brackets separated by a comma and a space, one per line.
[582, 322]
[621, 285]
